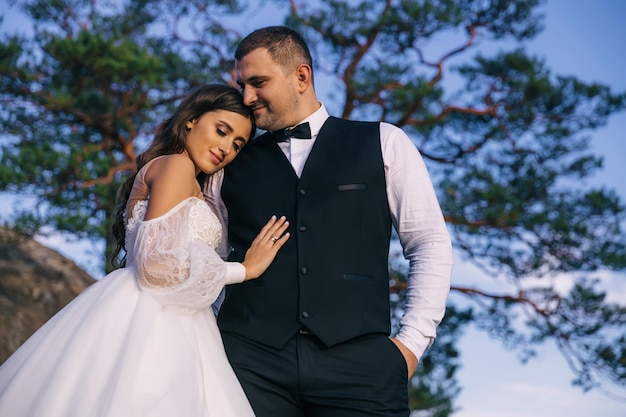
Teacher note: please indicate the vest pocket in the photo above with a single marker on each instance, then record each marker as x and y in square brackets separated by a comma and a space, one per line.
[358, 277]
[349, 187]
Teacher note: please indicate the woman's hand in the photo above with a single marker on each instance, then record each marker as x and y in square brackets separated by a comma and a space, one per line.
[265, 247]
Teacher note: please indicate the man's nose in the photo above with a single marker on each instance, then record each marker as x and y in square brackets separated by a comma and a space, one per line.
[249, 96]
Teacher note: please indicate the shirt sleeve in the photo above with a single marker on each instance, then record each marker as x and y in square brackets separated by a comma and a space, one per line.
[425, 240]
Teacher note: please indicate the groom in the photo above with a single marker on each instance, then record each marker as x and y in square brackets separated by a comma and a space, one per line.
[310, 337]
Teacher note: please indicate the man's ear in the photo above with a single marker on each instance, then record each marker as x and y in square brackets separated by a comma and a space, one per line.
[304, 75]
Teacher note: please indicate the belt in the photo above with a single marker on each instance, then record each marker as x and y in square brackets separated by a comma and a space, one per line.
[306, 332]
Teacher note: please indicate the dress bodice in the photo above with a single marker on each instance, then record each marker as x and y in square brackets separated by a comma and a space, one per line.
[209, 228]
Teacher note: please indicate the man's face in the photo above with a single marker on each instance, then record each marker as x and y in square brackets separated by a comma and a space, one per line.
[270, 92]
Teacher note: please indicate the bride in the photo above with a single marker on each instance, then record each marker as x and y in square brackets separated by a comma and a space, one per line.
[143, 341]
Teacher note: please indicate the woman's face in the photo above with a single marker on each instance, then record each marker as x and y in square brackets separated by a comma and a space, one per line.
[215, 138]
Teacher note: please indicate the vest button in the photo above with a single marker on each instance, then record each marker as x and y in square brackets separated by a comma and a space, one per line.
[303, 270]
[302, 228]
[302, 191]
[305, 314]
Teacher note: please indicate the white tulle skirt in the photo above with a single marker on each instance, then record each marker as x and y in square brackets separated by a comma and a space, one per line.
[114, 351]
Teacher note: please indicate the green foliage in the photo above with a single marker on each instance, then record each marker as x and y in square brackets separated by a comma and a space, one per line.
[85, 92]
[514, 198]
[507, 143]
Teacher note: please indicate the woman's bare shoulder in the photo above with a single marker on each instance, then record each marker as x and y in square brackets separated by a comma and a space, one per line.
[171, 179]
[176, 161]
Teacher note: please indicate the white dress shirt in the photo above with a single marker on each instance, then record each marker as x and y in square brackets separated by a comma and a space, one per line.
[416, 216]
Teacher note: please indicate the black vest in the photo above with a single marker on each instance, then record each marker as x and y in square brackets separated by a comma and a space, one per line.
[332, 274]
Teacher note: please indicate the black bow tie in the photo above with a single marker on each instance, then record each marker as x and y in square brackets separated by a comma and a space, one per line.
[302, 131]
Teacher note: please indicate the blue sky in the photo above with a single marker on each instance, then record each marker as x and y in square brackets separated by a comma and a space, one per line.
[584, 38]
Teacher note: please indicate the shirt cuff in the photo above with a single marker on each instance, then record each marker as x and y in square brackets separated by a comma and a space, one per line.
[415, 342]
[235, 273]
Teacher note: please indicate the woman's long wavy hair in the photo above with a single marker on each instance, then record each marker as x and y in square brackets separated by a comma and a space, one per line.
[169, 138]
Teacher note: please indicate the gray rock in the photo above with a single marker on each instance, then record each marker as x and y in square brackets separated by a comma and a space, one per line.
[35, 283]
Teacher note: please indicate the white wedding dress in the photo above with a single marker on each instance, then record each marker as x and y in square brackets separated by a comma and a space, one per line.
[141, 342]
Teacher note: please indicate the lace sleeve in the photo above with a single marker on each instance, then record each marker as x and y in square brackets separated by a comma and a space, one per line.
[175, 257]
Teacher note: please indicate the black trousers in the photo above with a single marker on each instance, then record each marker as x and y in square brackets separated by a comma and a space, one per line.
[366, 376]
